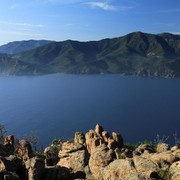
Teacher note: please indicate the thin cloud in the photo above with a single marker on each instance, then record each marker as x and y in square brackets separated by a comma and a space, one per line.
[102, 5]
[22, 24]
[19, 33]
[170, 10]
[108, 7]
[166, 24]
[14, 6]
[59, 1]
[69, 24]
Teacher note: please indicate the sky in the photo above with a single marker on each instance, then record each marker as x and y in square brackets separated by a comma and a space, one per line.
[85, 20]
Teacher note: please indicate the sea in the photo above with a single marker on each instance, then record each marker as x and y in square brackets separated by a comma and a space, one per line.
[58, 105]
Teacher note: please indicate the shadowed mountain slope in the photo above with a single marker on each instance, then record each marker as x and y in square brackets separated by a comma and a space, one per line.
[135, 53]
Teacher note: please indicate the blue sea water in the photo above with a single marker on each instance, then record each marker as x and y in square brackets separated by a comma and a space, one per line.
[56, 106]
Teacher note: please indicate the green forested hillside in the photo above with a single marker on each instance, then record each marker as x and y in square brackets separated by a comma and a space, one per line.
[135, 53]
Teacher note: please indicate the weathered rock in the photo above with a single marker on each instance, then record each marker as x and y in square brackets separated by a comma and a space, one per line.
[13, 164]
[146, 166]
[144, 148]
[174, 148]
[9, 164]
[7, 148]
[36, 168]
[175, 176]
[56, 173]
[164, 159]
[162, 147]
[99, 129]
[118, 138]
[5, 175]
[176, 153]
[99, 159]
[51, 154]
[112, 144]
[24, 150]
[137, 176]
[93, 140]
[119, 169]
[105, 136]
[69, 147]
[79, 137]
[76, 161]
[126, 152]
[73, 156]
[9, 140]
[175, 169]
[88, 173]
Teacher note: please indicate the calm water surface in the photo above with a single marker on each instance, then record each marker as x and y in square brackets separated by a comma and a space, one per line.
[58, 105]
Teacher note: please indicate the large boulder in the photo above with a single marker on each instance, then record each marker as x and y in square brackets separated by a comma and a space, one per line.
[144, 148]
[36, 168]
[7, 148]
[93, 140]
[73, 156]
[162, 147]
[146, 167]
[24, 150]
[99, 159]
[79, 137]
[51, 154]
[164, 159]
[98, 129]
[6, 175]
[174, 170]
[105, 136]
[56, 173]
[176, 153]
[119, 169]
[13, 164]
[118, 138]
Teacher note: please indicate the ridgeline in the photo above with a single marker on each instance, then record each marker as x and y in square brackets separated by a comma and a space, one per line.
[136, 53]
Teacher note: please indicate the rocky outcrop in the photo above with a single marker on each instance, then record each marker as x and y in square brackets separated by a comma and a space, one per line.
[175, 170]
[73, 156]
[51, 154]
[93, 140]
[36, 168]
[99, 159]
[7, 148]
[97, 137]
[97, 155]
[119, 169]
[24, 150]
[146, 167]
[79, 137]
[162, 147]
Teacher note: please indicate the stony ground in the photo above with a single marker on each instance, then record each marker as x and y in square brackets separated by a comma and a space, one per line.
[97, 155]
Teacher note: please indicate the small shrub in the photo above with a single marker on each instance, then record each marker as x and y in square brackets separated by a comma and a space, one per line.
[176, 139]
[2, 133]
[165, 174]
[39, 154]
[121, 156]
[160, 140]
[33, 139]
[131, 146]
[71, 140]
[147, 142]
[55, 142]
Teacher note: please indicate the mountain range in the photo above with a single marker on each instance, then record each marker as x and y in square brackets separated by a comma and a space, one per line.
[136, 53]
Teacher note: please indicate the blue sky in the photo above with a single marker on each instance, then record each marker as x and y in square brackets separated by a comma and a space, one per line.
[85, 20]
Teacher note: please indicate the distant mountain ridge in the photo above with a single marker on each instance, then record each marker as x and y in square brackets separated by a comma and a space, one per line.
[136, 53]
[20, 46]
